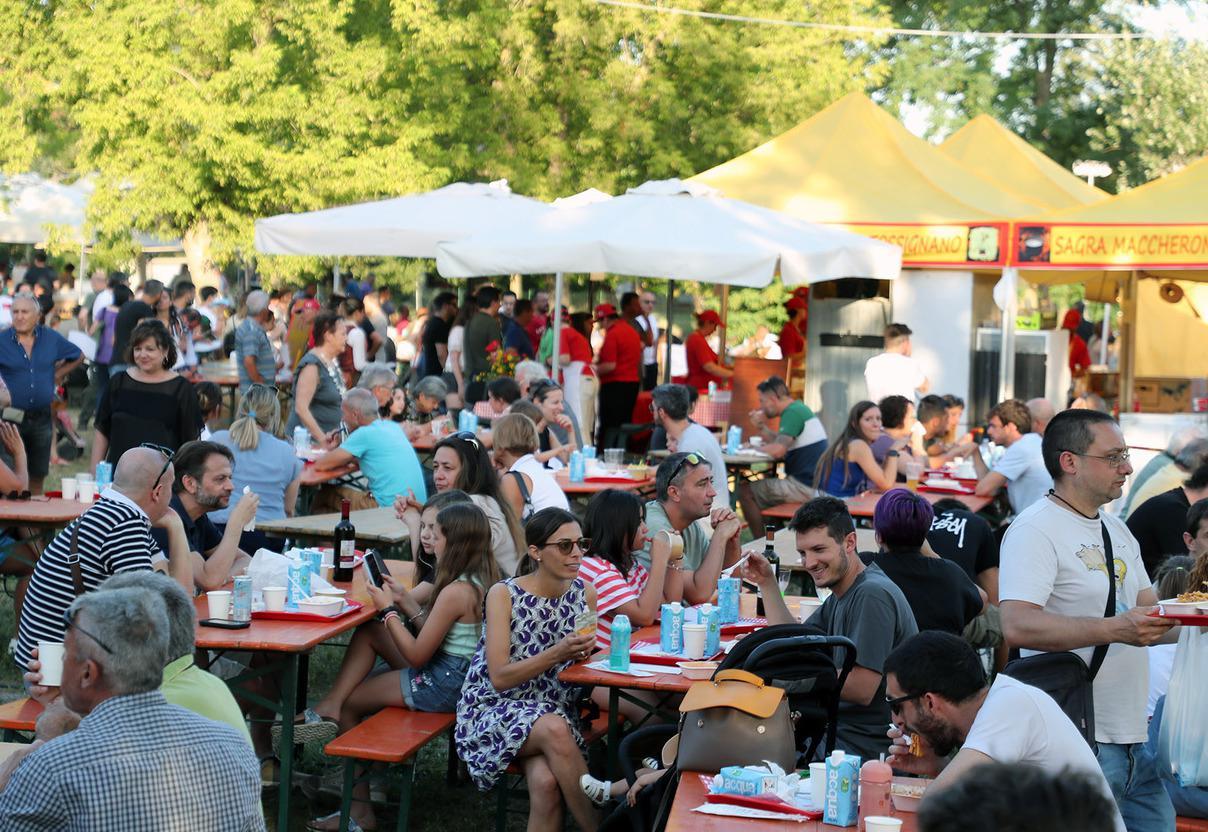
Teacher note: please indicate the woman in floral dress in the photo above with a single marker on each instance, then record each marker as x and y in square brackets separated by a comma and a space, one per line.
[512, 707]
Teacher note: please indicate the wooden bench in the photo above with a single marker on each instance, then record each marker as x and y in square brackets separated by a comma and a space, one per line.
[1191, 825]
[784, 511]
[19, 715]
[392, 735]
[512, 781]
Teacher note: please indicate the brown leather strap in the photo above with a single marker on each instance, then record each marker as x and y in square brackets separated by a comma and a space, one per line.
[73, 559]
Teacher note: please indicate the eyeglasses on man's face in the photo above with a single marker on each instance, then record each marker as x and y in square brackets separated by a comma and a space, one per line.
[69, 620]
[1114, 460]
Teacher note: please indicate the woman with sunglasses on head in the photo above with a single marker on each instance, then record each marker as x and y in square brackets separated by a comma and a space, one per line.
[147, 402]
[461, 461]
[848, 466]
[513, 708]
[425, 670]
[319, 385]
[263, 463]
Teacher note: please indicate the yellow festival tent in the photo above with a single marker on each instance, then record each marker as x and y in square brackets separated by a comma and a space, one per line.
[987, 147]
[855, 165]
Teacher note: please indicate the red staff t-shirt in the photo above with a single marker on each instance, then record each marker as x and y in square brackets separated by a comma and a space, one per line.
[622, 345]
[576, 348]
[791, 341]
[699, 354]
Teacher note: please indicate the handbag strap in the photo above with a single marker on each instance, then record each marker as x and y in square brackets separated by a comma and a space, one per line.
[524, 492]
[1110, 610]
[73, 560]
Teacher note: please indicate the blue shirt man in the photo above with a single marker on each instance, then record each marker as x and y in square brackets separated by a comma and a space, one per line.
[256, 362]
[30, 375]
[381, 449]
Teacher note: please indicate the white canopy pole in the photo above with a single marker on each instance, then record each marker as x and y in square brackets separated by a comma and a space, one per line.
[335, 277]
[667, 333]
[82, 272]
[557, 313]
[1006, 296]
[1107, 330]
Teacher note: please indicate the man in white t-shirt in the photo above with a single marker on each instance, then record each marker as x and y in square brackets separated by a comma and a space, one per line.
[895, 372]
[1021, 469]
[670, 404]
[1054, 588]
[650, 354]
[937, 691]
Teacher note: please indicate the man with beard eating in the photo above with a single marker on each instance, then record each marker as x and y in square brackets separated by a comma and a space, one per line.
[937, 693]
[203, 484]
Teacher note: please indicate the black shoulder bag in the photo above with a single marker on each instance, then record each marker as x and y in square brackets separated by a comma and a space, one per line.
[1065, 676]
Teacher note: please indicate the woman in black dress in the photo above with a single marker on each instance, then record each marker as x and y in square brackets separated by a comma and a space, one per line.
[148, 402]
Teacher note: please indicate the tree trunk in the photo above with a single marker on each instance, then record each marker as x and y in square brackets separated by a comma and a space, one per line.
[196, 242]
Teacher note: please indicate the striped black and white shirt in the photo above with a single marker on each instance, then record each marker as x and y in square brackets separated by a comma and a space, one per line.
[115, 536]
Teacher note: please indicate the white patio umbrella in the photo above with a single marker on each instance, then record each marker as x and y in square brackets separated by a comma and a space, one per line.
[406, 226]
[29, 205]
[676, 230]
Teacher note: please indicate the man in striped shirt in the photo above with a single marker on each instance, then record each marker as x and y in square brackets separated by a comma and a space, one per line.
[114, 536]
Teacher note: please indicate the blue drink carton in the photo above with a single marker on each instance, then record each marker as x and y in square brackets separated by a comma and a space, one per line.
[104, 475]
[727, 599]
[578, 468]
[733, 439]
[313, 559]
[671, 628]
[297, 587]
[841, 805]
[748, 781]
[618, 647]
[710, 616]
[589, 451]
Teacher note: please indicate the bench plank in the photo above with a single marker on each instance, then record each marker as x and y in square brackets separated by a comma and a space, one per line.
[1191, 825]
[392, 735]
[19, 715]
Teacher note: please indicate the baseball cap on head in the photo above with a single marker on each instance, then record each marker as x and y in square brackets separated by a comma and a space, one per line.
[709, 317]
[605, 310]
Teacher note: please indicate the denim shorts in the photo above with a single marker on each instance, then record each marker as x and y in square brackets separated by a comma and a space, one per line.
[436, 686]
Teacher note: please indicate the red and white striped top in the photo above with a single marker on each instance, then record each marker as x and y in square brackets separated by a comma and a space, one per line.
[613, 590]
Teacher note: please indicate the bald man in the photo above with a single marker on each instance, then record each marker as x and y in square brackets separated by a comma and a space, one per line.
[113, 536]
[1042, 411]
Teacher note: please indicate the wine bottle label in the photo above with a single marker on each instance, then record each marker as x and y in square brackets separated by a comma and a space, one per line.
[348, 552]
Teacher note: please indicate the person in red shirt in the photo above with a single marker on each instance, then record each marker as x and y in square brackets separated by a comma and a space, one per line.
[619, 369]
[703, 366]
[1080, 356]
[792, 335]
[540, 320]
[579, 380]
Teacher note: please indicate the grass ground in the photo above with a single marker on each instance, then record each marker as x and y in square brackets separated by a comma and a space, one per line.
[435, 804]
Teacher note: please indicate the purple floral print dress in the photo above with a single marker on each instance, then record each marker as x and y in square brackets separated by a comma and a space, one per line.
[493, 724]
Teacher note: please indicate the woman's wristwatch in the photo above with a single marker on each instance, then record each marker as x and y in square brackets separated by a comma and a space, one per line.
[892, 453]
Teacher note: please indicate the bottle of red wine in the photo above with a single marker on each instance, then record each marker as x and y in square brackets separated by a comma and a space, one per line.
[346, 544]
[769, 553]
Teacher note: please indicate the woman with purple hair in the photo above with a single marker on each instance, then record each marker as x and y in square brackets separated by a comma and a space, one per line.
[939, 592]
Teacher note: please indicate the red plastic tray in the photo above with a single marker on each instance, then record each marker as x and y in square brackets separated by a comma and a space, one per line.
[629, 480]
[743, 626]
[1192, 620]
[289, 615]
[664, 659]
[764, 802]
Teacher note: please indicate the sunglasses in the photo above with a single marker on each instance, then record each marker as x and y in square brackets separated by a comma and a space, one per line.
[69, 620]
[466, 436]
[566, 546]
[895, 702]
[688, 459]
[276, 391]
[168, 454]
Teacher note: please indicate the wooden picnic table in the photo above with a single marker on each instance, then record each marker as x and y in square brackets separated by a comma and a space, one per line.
[594, 486]
[691, 793]
[863, 505]
[743, 459]
[40, 511]
[313, 478]
[289, 643]
[373, 525]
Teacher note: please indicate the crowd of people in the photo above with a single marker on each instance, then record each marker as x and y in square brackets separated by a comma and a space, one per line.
[506, 566]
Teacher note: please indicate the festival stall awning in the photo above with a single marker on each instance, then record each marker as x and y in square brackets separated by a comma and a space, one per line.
[855, 165]
[992, 150]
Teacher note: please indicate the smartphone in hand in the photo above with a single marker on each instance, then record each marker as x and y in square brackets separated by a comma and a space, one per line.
[375, 567]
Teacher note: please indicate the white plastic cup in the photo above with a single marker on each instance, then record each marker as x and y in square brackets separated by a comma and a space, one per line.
[274, 598]
[807, 607]
[220, 604]
[50, 654]
[69, 488]
[877, 823]
[818, 784]
[87, 491]
[694, 641]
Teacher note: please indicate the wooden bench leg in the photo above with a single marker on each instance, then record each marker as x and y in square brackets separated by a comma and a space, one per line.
[346, 794]
[404, 801]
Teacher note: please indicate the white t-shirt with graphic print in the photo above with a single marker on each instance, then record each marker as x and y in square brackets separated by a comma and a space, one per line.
[1053, 558]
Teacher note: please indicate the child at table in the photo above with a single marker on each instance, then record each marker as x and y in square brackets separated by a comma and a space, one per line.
[428, 668]
[513, 707]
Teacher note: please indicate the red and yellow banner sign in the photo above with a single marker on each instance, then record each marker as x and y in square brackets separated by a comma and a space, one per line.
[1100, 246]
[942, 246]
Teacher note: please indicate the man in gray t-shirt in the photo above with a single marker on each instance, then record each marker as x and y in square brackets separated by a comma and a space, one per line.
[256, 360]
[864, 605]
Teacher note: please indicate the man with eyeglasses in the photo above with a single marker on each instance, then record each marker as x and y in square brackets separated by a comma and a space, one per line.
[936, 690]
[1021, 468]
[113, 771]
[684, 487]
[112, 536]
[1054, 587]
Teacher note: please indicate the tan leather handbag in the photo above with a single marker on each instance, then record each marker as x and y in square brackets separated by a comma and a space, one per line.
[735, 719]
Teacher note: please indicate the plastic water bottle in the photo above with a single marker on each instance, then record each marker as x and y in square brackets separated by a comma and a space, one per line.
[618, 648]
[301, 440]
[578, 468]
[241, 598]
[712, 389]
[733, 439]
[104, 475]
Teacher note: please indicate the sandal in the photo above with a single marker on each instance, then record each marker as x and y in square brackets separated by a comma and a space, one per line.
[597, 791]
[651, 763]
[310, 728]
[353, 826]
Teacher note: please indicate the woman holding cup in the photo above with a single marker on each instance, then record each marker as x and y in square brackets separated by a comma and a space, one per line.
[513, 708]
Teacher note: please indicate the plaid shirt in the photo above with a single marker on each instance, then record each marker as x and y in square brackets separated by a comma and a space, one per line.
[137, 764]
